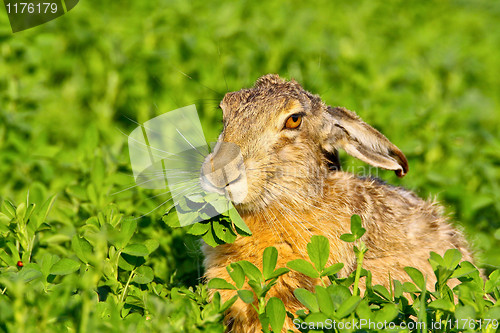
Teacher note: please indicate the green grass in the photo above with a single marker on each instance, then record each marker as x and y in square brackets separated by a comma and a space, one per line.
[425, 74]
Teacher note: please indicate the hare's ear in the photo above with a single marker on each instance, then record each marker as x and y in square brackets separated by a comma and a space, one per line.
[344, 129]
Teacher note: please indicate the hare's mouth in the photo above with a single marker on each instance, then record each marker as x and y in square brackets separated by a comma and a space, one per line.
[223, 172]
[235, 190]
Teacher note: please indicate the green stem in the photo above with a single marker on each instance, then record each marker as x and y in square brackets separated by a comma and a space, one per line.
[124, 292]
[31, 244]
[262, 305]
[358, 272]
[115, 264]
[85, 312]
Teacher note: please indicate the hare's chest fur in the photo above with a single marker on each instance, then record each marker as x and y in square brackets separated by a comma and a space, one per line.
[401, 230]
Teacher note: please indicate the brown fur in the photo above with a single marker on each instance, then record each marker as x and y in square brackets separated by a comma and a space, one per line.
[292, 194]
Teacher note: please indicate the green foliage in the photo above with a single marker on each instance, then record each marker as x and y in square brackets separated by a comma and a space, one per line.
[424, 73]
[409, 307]
[271, 311]
[103, 271]
[214, 230]
[318, 250]
[357, 231]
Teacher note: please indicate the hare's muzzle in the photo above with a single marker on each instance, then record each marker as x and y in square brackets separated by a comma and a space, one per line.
[223, 172]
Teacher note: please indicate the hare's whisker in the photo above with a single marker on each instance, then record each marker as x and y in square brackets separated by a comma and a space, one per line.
[270, 220]
[282, 227]
[292, 221]
[201, 84]
[136, 185]
[196, 149]
[159, 153]
[158, 178]
[145, 145]
[164, 202]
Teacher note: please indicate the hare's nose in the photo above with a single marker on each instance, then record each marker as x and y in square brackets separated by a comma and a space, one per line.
[224, 165]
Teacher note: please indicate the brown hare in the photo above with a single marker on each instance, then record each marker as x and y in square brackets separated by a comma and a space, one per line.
[288, 140]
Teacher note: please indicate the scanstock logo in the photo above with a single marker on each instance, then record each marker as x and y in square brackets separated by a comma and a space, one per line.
[167, 153]
[27, 14]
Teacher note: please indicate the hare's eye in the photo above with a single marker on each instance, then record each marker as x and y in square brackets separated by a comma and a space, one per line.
[293, 121]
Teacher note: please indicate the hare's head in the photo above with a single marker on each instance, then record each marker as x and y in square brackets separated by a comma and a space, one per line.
[279, 143]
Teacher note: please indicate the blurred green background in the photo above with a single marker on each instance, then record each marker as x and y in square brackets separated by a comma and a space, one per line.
[426, 74]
